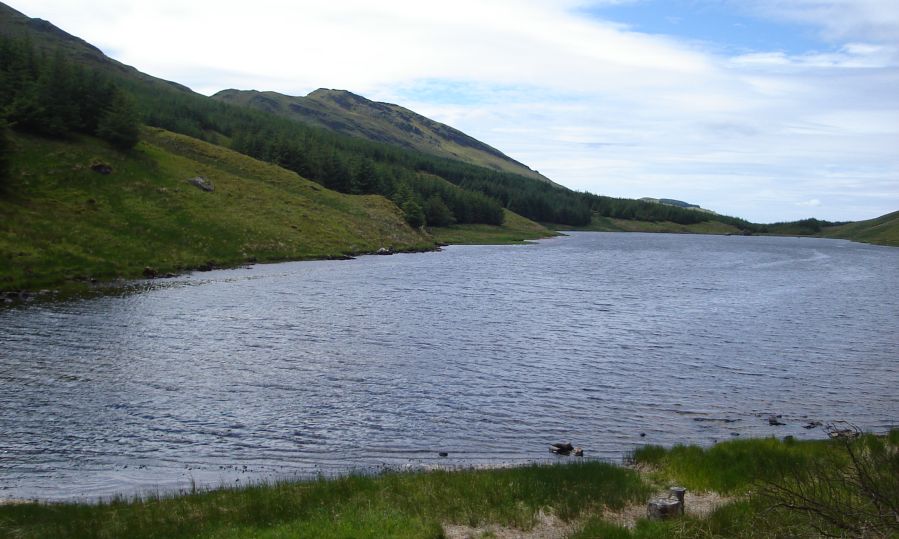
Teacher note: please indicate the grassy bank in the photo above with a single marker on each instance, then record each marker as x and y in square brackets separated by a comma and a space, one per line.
[883, 230]
[402, 505]
[585, 499]
[63, 221]
[774, 488]
[515, 229]
[608, 224]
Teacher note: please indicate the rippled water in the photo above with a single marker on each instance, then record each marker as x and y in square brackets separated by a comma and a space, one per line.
[488, 353]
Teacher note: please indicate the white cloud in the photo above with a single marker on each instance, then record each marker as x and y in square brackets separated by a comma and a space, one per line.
[838, 20]
[593, 105]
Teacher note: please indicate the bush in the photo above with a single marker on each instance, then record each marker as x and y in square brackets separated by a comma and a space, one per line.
[853, 491]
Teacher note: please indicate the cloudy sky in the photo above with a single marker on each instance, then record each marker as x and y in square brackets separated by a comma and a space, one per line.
[766, 109]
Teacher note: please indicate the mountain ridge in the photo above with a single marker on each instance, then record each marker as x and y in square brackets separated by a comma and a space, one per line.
[352, 114]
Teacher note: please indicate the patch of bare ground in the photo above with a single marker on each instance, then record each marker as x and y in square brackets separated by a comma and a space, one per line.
[697, 504]
[548, 526]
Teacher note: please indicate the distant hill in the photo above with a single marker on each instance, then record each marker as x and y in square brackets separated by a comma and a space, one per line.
[675, 203]
[351, 114]
[883, 230]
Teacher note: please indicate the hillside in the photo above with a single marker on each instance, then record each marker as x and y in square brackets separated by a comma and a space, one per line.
[48, 38]
[883, 230]
[351, 114]
[65, 221]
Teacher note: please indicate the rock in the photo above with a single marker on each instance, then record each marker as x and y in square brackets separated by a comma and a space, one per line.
[150, 273]
[812, 425]
[202, 183]
[101, 168]
[774, 420]
[384, 251]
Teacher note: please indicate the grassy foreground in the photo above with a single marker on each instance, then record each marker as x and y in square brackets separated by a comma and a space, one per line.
[760, 480]
[402, 505]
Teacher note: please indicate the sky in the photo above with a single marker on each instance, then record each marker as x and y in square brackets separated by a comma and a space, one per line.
[770, 110]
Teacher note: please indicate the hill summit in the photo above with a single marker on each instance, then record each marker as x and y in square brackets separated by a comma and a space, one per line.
[351, 114]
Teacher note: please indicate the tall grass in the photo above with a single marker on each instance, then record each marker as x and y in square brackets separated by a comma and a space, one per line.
[389, 505]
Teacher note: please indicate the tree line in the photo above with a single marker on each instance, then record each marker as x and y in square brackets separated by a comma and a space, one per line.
[52, 96]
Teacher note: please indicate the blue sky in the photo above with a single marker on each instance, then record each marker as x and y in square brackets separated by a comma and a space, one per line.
[721, 25]
[770, 110]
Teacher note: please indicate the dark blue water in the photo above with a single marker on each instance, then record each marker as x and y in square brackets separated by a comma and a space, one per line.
[488, 353]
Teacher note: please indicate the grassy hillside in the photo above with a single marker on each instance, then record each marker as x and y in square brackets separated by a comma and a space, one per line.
[883, 230]
[351, 114]
[61, 220]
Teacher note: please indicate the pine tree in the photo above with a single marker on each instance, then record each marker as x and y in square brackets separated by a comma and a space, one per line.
[437, 212]
[118, 124]
[413, 213]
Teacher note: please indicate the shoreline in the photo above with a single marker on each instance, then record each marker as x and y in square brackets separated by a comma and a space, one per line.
[87, 286]
[725, 484]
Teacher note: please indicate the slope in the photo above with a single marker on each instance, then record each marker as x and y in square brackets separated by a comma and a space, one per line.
[883, 230]
[76, 209]
[48, 38]
[351, 114]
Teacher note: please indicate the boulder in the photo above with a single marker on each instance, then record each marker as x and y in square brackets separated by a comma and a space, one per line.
[101, 168]
[201, 182]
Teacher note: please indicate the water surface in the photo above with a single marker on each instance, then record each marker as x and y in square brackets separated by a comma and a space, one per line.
[489, 353]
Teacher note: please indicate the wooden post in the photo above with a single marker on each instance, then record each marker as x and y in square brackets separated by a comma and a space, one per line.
[678, 492]
[662, 508]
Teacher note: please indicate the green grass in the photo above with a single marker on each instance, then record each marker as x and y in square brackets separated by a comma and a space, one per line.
[412, 505]
[60, 221]
[883, 230]
[417, 505]
[731, 467]
[515, 229]
[822, 471]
